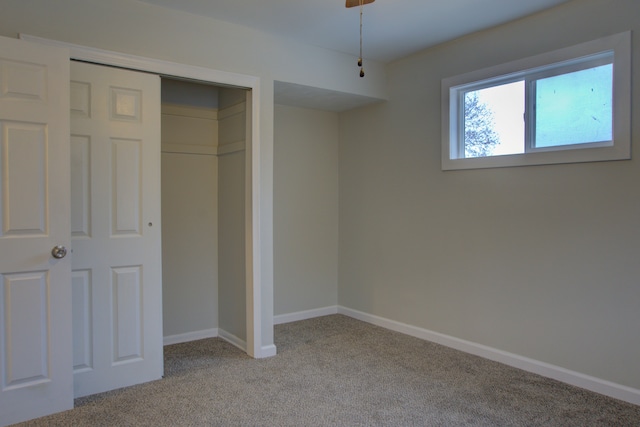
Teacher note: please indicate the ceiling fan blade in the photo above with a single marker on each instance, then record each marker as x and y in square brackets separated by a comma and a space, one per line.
[354, 3]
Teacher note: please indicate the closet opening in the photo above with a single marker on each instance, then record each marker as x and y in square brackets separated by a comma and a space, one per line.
[204, 133]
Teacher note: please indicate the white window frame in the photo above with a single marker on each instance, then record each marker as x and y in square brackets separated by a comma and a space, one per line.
[557, 62]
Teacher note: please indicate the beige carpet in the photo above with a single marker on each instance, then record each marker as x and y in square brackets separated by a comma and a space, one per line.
[337, 371]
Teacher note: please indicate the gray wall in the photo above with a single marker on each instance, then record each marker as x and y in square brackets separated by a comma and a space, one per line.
[539, 261]
[231, 247]
[189, 208]
[305, 213]
[189, 243]
[231, 215]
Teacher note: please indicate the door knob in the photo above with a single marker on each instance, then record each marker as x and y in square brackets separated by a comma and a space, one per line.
[59, 252]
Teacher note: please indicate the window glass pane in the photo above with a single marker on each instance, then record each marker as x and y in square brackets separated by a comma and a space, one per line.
[494, 120]
[574, 108]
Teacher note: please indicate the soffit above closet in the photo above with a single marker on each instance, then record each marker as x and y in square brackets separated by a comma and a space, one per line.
[296, 95]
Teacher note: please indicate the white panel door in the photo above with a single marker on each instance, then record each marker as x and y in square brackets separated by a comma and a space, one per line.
[35, 292]
[115, 228]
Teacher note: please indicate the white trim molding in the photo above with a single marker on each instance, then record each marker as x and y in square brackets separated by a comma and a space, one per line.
[232, 339]
[614, 50]
[190, 111]
[205, 150]
[304, 315]
[190, 336]
[232, 147]
[161, 67]
[597, 385]
[268, 351]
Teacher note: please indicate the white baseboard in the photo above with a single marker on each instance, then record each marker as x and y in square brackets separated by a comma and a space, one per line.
[190, 336]
[577, 379]
[304, 315]
[232, 339]
[267, 351]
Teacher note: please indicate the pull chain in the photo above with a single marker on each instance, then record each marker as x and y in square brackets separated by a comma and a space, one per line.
[360, 57]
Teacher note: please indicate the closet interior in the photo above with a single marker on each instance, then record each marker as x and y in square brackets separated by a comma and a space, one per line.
[204, 128]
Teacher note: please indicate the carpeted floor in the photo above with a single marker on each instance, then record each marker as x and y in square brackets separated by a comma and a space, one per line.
[337, 371]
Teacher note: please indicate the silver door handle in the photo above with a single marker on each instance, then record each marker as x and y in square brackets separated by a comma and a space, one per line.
[59, 252]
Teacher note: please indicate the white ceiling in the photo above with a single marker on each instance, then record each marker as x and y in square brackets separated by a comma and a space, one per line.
[392, 28]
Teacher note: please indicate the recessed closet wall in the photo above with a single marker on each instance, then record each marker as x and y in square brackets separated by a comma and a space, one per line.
[203, 132]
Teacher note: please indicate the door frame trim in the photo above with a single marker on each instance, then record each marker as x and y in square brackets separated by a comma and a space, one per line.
[255, 347]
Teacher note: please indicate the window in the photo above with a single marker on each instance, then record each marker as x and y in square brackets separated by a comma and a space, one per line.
[566, 106]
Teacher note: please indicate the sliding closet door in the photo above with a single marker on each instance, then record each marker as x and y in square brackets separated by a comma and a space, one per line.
[35, 325]
[115, 227]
